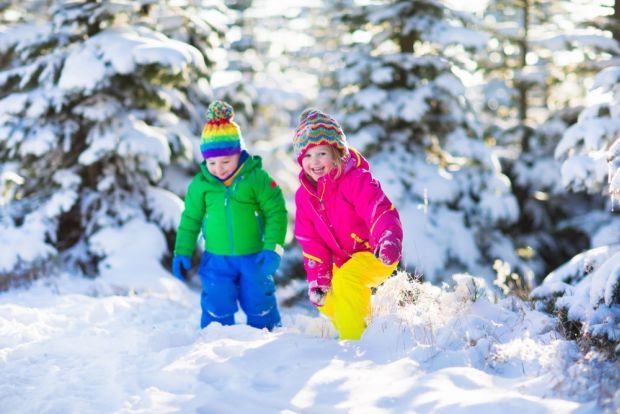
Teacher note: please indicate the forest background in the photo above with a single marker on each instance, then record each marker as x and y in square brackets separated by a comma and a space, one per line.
[494, 126]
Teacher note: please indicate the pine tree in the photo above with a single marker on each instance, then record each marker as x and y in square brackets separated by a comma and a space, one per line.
[537, 58]
[202, 24]
[95, 104]
[535, 65]
[403, 106]
[241, 65]
[589, 151]
[585, 291]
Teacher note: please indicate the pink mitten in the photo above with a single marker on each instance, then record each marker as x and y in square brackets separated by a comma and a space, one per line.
[317, 291]
[388, 249]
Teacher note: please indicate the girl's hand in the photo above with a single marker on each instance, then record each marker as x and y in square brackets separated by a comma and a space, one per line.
[317, 292]
[317, 295]
[388, 249]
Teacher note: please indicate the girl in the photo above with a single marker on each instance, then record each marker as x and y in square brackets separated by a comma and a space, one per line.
[349, 231]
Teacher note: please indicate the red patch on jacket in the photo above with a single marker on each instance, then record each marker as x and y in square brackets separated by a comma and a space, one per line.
[273, 184]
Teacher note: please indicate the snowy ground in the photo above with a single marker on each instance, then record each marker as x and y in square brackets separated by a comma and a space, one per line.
[71, 345]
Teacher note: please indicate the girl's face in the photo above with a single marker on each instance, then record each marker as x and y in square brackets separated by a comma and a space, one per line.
[318, 161]
[223, 166]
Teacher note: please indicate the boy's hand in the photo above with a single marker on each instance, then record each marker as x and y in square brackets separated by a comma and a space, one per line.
[268, 262]
[181, 263]
[388, 249]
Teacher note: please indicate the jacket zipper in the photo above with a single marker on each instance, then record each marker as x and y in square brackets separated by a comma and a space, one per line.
[260, 225]
[328, 224]
[330, 227]
[229, 221]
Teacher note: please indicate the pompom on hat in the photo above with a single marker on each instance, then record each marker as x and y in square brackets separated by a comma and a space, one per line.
[317, 128]
[220, 135]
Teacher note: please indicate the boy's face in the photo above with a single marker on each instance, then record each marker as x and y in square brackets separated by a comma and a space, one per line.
[223, 166]
[318, 161]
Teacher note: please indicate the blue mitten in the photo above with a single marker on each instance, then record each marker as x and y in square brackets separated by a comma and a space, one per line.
[268, 262]
[180, 263]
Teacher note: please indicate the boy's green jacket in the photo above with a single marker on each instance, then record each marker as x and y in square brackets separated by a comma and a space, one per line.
[244, 218]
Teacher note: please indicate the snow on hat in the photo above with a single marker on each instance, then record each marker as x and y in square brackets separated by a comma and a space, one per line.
[220, 135]
[317, 128]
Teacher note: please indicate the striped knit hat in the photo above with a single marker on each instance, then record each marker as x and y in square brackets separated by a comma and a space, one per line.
[220, 135]
[317, 128]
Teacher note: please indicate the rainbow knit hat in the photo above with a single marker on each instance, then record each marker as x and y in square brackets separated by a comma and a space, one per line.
[220, 135]
[317, 128]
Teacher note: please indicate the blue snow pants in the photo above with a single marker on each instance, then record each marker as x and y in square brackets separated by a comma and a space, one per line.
[228, 279]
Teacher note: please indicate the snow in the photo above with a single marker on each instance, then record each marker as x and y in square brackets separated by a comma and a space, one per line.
[365, 136]
[499, 205]
[588, 134]
[382, 75]
[607, 234]
[446, 35]
[543, 172]
[589, 148]
[434, 183]
[370, 98]
[122, 50]
[23, 35]
[38, 105]
[412, 105]
[578, 267]
[98, 108]
[433, 237]
[450, 83]
[592, 39]
[63, 199]
[31, 240]
[165, 206]
[129, 339]
[605, 281]
[437, 237]
[102, 141]
[138, 138]
[130, 137]
[83, 69]
[14, 103]
[586, 288]
[69, 344]
[584, 171]
[24, 243]
[39, 141]
[131, 255]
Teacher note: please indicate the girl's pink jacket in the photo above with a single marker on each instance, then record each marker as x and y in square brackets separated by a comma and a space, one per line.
[342, 216]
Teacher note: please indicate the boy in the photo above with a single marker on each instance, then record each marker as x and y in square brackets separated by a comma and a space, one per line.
[243, 217]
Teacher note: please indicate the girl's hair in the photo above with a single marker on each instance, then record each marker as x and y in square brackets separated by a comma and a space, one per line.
[338, 156]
